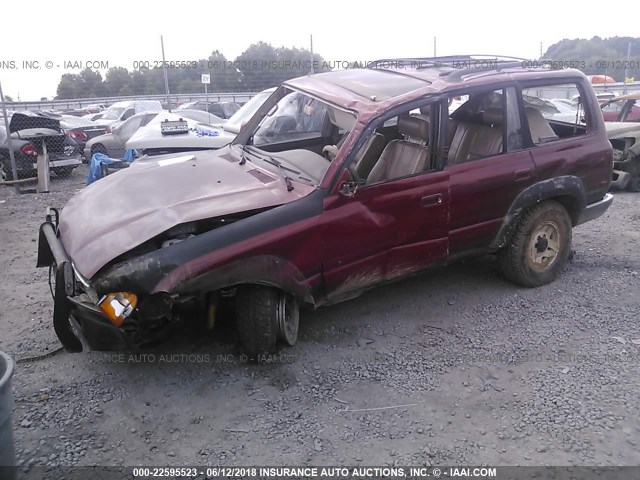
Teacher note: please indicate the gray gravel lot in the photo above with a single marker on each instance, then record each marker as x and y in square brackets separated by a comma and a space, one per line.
[454, 366]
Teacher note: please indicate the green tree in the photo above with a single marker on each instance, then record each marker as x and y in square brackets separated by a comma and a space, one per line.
[116, 79]
[69, 87]
[601, 56]
[125, 91]
[92, 84]
[258, 66]
[223, 78]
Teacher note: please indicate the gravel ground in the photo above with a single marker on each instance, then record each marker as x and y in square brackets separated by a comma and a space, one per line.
[454, 366]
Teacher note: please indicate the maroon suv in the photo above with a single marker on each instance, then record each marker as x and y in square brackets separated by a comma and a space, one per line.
[340, 182]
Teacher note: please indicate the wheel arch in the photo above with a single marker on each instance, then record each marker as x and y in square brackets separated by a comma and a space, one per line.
[567, 190]
[269, 270]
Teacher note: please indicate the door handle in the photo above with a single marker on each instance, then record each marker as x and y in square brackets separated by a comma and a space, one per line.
[524, 174]
[430, 200]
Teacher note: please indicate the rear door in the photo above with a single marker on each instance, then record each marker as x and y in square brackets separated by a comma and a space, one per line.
[485, 179]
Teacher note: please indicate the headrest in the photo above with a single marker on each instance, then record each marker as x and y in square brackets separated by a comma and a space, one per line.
[492, 116]
[413, 127]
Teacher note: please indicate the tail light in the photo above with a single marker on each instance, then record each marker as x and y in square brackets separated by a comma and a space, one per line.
[76, 134]
[29, 150]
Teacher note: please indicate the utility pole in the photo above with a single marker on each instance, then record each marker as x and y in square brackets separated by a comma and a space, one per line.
[626, 67]
[434, 46]
[541, 50]
[9, 142]
[311, 41]
[166, 77]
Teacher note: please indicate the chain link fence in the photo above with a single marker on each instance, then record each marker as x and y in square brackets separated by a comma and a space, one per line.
[41, 144]
[36, 144]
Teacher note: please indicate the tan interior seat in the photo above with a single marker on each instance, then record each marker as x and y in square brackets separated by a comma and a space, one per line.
[539, 127]
[369, 154]
[403, 157]
[477, 140]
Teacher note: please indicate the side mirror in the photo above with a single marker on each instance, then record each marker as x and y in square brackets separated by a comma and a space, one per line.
[348, 189]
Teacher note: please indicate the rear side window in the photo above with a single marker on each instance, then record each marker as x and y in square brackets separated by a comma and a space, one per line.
[553, 112]
[483, 124]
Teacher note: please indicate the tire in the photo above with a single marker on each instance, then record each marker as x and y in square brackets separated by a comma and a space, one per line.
[6, 173]
[634, 183]
[634, 171]
[522, 261]
[98, 148]
[258, 317]
[63, 172]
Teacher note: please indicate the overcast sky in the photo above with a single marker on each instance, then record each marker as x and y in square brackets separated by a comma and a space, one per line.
[122, 32]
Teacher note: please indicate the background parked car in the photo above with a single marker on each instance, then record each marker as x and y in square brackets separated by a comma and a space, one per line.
[150, 141]
[28, 133]
[565, 112]
[81, 130]
[121, 111]
[624, 134]
[93, 116]
[220, 109]
[113, 144]
[625, 108]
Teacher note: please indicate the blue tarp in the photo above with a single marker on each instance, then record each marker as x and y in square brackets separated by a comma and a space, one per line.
[99, 159]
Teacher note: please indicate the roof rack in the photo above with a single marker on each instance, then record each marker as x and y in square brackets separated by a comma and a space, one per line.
[453, 67]
[452, 61]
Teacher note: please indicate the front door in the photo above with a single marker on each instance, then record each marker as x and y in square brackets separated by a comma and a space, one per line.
[384, 231]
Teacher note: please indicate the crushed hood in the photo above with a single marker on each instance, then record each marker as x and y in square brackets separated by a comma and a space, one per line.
[125, 209]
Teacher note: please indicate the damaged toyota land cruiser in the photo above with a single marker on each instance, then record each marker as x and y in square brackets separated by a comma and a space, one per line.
[341, 181]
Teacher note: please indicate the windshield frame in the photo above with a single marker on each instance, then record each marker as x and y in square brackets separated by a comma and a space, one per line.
[246, 134]
[246, 112]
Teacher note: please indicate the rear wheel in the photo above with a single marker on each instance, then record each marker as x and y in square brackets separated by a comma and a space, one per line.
[540, 247]
[264, 315]
[98, 148]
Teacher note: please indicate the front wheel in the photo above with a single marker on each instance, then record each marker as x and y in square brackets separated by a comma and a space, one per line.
[264, 315]
[540, 247]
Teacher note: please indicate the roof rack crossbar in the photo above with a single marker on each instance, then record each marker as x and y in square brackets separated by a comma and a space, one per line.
[443, 61]
[456, 74]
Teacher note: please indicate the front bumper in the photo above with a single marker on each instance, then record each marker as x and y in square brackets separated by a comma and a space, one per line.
[76, 319]
[595, 209]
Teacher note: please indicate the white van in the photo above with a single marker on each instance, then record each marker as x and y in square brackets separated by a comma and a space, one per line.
[120, 111]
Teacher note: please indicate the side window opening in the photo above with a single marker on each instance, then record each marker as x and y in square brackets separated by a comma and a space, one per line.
[400, 147]
[550, 117]
[476, 128]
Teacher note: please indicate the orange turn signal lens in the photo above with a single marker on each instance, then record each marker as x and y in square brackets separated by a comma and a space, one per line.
[118, 306]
